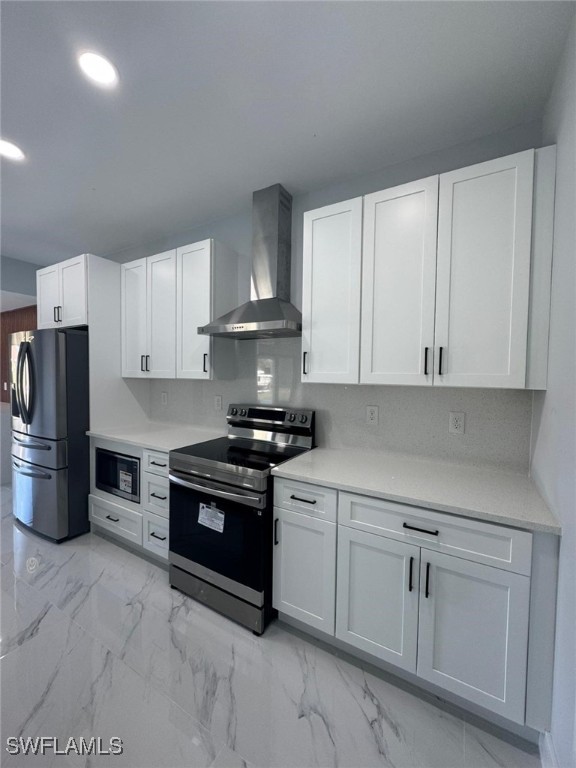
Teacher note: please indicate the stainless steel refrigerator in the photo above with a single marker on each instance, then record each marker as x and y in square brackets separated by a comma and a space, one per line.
[50, 417]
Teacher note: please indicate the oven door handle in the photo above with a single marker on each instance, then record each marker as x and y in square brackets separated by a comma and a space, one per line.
[251, 501]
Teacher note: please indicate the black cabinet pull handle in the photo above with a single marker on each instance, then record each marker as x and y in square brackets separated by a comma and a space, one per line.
[55, 314]
[410, 583]
[155, 535]
[204, 363]
[421, 530]
[304, 357]
[440, 353]
[114, 519]
[157, 463]
[142, 357]
[306, 501]
[275, 531]
[148, 363]
[59, 314]
[157, 496]
[427, 593]
[426, 361]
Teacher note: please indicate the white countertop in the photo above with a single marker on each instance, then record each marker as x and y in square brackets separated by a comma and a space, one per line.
[482, 493]
[157, 435]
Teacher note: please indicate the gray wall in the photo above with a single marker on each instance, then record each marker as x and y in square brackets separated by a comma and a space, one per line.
[18, 276]
[412, 419]
[554, 420]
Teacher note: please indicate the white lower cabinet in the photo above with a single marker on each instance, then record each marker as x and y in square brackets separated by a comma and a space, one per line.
[473, 632]
[449, 605]
[116, 519]
[377, 596]
[305, 568]
[155, 534]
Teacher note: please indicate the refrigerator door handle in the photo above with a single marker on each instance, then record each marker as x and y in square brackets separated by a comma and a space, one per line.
[32, 444]
[17, 395]
[31, 472]
[27, 407]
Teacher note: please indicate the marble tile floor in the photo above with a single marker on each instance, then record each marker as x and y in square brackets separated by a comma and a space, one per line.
[95, 643]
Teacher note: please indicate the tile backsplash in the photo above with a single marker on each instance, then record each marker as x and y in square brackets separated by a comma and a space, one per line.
[412, 420]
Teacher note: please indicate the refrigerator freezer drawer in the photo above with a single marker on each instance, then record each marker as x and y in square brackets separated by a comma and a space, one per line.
[52, 454]
[40, 498]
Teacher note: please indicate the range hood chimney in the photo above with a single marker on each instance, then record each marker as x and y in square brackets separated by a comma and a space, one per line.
[269, 314]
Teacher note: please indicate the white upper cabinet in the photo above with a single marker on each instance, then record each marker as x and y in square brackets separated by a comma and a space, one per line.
[161, 330]
[331, 293]
[148, 293]
[455, 287]
[207, 287]
[398, 284]
[483, 273]
[62, 294]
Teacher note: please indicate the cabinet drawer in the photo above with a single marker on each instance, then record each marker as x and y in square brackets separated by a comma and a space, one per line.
[116, 519]
[155, 534]
[155, 493]
[156, 462]
[495, 545]
[311, 499]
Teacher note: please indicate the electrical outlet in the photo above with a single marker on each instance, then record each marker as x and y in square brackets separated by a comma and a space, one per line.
[372, 415]
[456, 423]
[164, 398]
[218, 403]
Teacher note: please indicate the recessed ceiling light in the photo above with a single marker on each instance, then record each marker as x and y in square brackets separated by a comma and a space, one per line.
[11, 151]
[98, 69]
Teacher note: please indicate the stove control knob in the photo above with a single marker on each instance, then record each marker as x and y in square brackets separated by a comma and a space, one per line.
[292, 417]
[243, 412]
[303, 418]
[234, 411]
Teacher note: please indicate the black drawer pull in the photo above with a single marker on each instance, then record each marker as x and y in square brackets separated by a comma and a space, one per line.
[427, 579]
[306, 501]
[426, 361]
[275, 531]
[410, 583]
[421, 530]
[114, 519]
[204, 362]
[157, 464]
[440, 353]
[156, 496]
[304, 369]
[160, 538]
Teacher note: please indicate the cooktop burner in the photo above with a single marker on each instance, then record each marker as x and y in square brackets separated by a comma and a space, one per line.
[238, 452]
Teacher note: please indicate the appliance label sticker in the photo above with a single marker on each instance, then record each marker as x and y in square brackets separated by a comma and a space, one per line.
[125, 481]
[211, 518]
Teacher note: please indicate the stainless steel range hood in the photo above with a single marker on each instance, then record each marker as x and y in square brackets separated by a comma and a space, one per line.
[269, 314]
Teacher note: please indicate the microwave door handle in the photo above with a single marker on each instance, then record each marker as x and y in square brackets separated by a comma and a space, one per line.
[243, 499]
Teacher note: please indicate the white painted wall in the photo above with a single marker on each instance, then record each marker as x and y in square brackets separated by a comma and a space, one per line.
[554, 416]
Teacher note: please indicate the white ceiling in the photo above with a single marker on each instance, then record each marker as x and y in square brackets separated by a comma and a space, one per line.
[217, 99]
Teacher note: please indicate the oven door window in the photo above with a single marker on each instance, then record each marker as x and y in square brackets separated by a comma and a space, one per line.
[225, 537]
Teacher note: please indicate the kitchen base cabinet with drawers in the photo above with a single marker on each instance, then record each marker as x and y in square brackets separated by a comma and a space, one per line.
[460, 607]
[143, 525]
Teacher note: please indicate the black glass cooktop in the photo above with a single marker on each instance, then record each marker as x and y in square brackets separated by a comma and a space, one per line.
[239, 452]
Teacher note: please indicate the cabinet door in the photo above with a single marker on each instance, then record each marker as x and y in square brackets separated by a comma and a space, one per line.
[193, 308]
[73, 293]
[377, 596]
[483, 273]
[161, 315]
[48, 296]
[331, 293]
[134, 318]
[399, 284]
[473, 632]
[304, 585]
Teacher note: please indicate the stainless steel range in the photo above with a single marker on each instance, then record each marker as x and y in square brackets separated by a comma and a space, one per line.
[221, 510]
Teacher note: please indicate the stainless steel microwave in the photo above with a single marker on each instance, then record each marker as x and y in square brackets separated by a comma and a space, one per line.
[118, 474]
